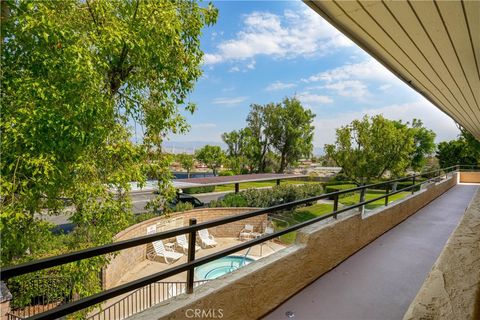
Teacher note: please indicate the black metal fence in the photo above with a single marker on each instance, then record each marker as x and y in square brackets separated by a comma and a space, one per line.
[37, 295]
[191, 230]
[142, 299]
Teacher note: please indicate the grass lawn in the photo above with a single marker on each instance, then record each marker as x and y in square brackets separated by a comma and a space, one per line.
[300, 215]
[260, 184]
[371, 194]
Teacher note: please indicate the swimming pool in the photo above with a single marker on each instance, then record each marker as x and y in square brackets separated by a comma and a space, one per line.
[219, 267]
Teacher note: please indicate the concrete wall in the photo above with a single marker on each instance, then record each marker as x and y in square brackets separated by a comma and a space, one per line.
[452, 289]
[470, 177]
[125, 259]
[253, 291]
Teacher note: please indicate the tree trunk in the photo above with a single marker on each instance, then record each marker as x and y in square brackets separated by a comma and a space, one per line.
[188, 174]
[394, 186]
[282, 164]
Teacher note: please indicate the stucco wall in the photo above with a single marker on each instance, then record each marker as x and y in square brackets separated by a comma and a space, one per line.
[452, 289]
[256, 289]
[470, 177]
[125, 259]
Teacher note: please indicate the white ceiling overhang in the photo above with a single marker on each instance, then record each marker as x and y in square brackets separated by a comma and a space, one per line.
[433, 46]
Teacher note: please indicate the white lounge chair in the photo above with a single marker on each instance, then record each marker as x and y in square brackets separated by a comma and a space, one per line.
[160, 251]
[248, 233]
[206, 239]
[183, 243]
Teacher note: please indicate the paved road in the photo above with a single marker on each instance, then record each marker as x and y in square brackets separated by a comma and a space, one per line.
[381, 280]
[140, 199]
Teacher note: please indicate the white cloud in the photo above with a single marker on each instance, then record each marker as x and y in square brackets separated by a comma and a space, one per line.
[432, 118]
[229, 101]
[370, 69]
[204, 125]
[234, 69]
[277, 85]
[349, 88]
[385, 87]
[313, 100]
[303, 33]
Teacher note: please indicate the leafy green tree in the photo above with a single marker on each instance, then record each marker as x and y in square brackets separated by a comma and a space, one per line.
[463, 151]
[257, 122]
[187, 161]
[212, 156]
[290, 131]
[74, 74]
[424, 141]
[366, 149]
[241, 148]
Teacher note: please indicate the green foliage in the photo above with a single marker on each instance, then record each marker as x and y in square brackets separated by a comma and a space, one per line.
[182, 206]
[74, 75]
[195, 190]
[227, 173]
[212, 156]
[268, 197]
[339, 187]
[230, 200]
[187, 161]
[290, 131]
[424, 141]
[277, 135]
[465, 150]
[366, 149]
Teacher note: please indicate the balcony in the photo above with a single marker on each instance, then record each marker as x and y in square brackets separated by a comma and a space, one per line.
[374, 261]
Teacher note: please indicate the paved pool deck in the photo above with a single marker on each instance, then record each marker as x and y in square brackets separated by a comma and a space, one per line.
[381, 280]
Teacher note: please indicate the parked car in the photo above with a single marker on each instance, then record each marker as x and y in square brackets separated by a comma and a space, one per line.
[187, 198]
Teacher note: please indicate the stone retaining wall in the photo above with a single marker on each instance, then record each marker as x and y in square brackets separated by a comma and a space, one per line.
[452, 289]
[255, 290]
[127, 258]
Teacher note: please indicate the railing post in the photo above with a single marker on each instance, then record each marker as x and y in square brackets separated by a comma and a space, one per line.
[413, 184]
[387, 190]
[191, 256]
[278, 182]
[151, 293]
[335, 204]
[362, 198]
[237, 187]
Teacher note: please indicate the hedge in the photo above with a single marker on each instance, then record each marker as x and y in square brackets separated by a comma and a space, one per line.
[195, 190]
[269, 197]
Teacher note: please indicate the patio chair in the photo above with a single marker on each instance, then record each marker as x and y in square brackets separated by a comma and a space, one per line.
[183, 243]
[206, 239]
[160, 251]
[248, 233]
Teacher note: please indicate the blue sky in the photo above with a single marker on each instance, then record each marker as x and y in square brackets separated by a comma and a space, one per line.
[263, 51]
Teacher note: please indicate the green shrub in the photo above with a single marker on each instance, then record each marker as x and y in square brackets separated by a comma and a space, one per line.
[230, 200]
[182, 206]
[226, 173]
[195, 190]
[269, 197]
[340, 187]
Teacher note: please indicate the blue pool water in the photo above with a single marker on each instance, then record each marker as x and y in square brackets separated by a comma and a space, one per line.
[219, 267]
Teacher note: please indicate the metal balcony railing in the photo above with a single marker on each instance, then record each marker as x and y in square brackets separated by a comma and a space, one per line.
[191, 230]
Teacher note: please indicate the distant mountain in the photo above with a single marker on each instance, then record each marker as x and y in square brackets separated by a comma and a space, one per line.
[189, 146]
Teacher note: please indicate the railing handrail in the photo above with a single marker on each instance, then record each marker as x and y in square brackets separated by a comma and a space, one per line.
[109, 248]
[28, 267]
[134, 293]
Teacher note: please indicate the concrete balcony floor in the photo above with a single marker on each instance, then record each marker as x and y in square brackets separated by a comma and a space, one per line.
[381, 280]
